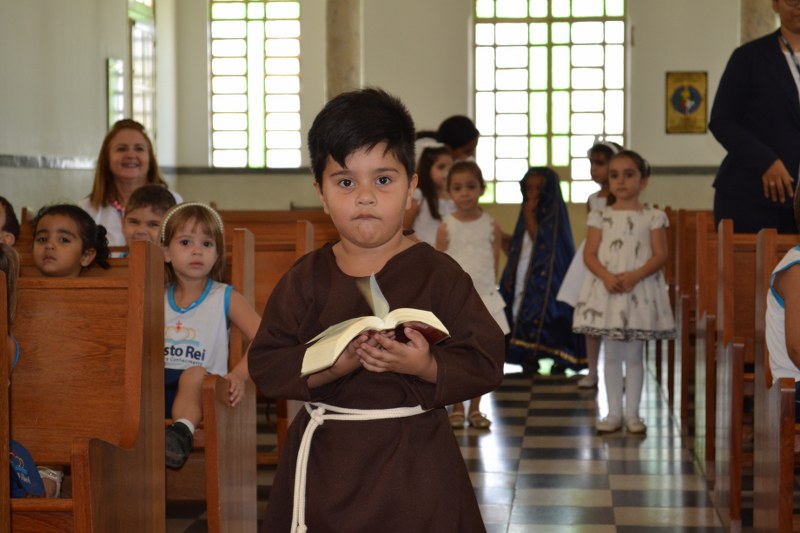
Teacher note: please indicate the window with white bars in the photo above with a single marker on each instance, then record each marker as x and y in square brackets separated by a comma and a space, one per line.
[549, 82]
[255, 84]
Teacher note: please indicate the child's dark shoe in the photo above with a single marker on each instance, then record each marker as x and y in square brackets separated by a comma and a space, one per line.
[178, 445]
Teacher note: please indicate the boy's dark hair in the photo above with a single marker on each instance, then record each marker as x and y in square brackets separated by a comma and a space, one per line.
[12, 223]
[92, 235]
[361, 119]
[466, 166]
[156, 197]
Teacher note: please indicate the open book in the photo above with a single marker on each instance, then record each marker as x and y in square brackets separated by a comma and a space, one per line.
[328, 345]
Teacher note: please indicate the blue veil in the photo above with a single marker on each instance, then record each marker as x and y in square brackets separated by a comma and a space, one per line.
[543, 327]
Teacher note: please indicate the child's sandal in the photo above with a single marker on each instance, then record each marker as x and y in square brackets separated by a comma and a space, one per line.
[53, 475]
[457, 420]
[478, 420]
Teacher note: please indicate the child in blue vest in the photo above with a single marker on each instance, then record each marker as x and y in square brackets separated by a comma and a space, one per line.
[198, 310]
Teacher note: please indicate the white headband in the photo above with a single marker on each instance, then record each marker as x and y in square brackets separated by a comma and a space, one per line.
[189, 204]
[426, 142]
[614, 147]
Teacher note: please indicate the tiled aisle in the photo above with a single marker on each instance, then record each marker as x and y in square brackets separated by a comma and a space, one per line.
[542, 468]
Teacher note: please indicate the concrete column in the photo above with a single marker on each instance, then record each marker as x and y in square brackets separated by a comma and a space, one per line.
[343, 54]
[757, 19]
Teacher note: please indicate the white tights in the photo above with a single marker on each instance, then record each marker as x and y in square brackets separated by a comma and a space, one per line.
[617, 352]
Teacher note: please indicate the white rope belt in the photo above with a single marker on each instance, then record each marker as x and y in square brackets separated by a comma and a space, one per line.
[319, 414]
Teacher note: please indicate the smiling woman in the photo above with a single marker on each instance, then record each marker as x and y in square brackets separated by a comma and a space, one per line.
[125, 163]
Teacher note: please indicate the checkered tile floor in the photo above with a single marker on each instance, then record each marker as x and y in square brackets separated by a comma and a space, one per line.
[542, 467]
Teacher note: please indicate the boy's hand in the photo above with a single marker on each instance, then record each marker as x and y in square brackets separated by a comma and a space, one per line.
[236, 389]
[388, 355]
[348, 360]
[346, 363]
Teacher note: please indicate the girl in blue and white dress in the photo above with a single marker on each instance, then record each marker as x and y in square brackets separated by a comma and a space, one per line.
[625, 299]
[431, 202]
[472, 238]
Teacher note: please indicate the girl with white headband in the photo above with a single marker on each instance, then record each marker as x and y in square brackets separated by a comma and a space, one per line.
[198, 310]
[599, 155]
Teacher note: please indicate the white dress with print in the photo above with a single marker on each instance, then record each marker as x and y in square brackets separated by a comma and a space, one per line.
[645, 312]
[425, 226]
[470, 244]
[577, 271]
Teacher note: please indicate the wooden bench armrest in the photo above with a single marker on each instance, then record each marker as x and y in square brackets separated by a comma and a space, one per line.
[230, 456]
[775, 438]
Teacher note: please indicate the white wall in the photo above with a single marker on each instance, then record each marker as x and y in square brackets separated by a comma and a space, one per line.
[52, 94]
[420, 50]
[708, 33]
[417, 49]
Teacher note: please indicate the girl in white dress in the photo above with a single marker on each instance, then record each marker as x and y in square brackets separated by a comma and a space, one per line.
[431, 201]
[599, 156]
[472, 238]
[624, 299]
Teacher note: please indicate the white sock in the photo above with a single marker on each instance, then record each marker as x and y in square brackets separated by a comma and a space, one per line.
[613, 374]
[634, 377]
[186, 423]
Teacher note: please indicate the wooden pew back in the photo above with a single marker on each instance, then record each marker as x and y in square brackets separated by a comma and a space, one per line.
[736, 341]
[735, 297]
[274, 258]
[88, 392]
[685, 307]
[705, 357]
[279, 226]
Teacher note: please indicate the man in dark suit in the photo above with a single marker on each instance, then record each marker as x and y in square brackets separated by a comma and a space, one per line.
[756, 117]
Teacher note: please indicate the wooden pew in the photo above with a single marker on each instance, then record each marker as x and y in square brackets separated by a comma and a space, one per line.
[278, 226]
[275, 255]
[705, 342]
[665, 365]
[227, 482]
[736, 321]
[685, 304]
[273, 260]
[88, 393]
[221, 468]
[119, 268]
[776, 435]
[735, 317]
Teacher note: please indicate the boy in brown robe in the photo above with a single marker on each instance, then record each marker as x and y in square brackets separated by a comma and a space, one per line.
[382, 456]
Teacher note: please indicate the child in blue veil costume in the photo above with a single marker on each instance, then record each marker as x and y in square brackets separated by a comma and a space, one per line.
[540, 252]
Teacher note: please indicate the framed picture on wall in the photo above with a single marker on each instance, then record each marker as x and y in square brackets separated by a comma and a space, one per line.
[686, 99]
